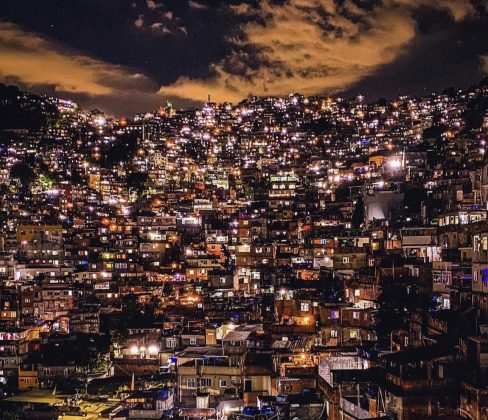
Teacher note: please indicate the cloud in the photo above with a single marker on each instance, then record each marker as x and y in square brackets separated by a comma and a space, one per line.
[196, 5]
[139, 22]
[159, 28]
[293, 51]
[241, 8]
[458, 9]
[150, 21]
[313, 46]
[152, 5]
[35, 62]
[484, 63]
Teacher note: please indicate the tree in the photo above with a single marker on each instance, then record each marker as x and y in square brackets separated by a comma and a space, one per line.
[122, 150]
[24, 173]
[69, 384]
[136, 314]
[450, 91]
[475, 112]
[358, 215]
[11, 414]
[398, 300]
[137, 180]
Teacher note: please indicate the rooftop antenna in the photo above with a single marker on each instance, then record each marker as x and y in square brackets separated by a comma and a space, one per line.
[208, 100]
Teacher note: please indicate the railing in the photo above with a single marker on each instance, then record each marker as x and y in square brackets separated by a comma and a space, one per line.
[355, 410]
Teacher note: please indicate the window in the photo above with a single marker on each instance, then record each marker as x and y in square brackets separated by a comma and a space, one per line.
[355, 315]
[357, 292]
[440, 371]
[193, 341]
[190, 383]
[247, 385]
[333, 333]
[206, 382]
[334, 314]
[304, 307]
[345, 260]
[353, 334]
[446, 303]
[223, 383]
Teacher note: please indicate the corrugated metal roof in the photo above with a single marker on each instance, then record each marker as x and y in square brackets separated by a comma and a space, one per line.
[237, 335]
[290, 344]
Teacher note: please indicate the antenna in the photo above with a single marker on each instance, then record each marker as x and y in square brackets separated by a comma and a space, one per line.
[208, 100]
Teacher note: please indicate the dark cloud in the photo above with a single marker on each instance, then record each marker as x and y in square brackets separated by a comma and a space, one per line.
[129, 55]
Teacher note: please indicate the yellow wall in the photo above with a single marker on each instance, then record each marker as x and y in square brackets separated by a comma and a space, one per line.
[28, 380]
[27, 232]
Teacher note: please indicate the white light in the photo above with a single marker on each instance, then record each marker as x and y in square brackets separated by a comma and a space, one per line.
[153, 349]
[100, 121]
[134, 350]
[395, 164]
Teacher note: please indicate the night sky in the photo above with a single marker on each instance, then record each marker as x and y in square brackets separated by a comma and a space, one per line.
[125, 56]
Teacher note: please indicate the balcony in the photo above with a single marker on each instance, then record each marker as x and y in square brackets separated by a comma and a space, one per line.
[293, 329]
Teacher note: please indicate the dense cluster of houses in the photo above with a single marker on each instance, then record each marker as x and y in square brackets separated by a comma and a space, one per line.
[281, 258]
